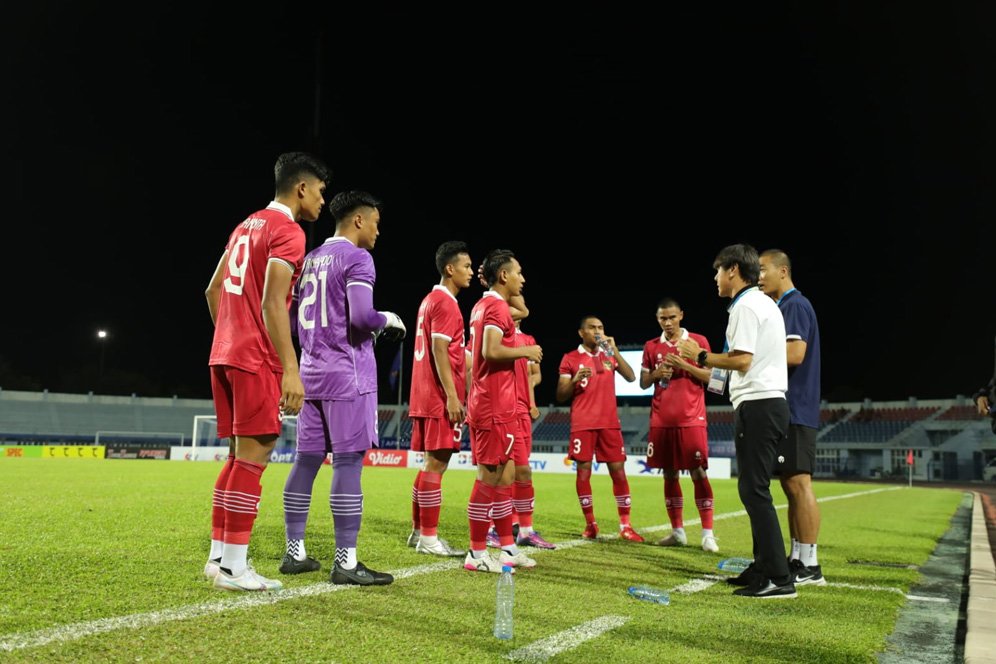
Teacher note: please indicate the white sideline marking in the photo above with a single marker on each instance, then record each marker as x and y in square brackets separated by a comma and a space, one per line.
[80, 630]
[544, 649]
[888, 589]
[781, 506]
[695, 585]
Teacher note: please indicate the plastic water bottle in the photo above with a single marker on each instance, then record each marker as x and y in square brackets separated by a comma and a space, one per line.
[505, 600]
[649, 594]
[604, 344]
[734, 565]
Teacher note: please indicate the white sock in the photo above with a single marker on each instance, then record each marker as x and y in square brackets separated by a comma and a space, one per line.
[234, 558]
[511, 550]
[477, 555]
[429, 540]
[295, 547]
[525, 530]
[345, 557]
[707, 532]
[795, 550]
[679, 532]
[217, 548]
[807, 554]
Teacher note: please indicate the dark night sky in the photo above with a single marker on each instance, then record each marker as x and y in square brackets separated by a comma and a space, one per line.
[615, 152]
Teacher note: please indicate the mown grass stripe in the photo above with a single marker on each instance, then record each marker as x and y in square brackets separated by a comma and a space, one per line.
[76, 631]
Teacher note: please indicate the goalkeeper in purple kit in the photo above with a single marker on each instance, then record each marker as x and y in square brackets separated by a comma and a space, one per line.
[337, 326]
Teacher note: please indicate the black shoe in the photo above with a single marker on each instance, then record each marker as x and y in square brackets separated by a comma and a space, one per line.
[291, 565]
[515, 530]
[764, 588]
[359, 576]
[746, 577]
[807, 576]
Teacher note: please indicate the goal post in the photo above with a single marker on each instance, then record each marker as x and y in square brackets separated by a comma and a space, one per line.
[205, 433]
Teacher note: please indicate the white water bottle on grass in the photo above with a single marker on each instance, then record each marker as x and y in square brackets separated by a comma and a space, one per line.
[504, 602]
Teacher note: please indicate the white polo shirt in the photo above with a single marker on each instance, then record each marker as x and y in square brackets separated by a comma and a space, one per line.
[756, 326]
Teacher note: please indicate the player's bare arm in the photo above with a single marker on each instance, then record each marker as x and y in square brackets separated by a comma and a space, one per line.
[277, 321]
[622, 366]
[494, 351]
[795, 352]
[674, 361]
[441, 356]
[734, 360]
[213, 292]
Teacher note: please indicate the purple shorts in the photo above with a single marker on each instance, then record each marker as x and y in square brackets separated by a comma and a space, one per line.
[348, 425]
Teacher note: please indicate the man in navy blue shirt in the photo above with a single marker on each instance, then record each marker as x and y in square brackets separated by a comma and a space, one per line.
[797, 454]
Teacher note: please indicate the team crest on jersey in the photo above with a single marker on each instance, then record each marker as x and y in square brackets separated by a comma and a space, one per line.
[607, 365]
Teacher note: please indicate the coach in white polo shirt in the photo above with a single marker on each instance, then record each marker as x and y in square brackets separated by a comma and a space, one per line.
[754, 360]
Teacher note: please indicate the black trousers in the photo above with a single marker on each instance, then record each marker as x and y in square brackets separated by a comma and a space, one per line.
[759, 427]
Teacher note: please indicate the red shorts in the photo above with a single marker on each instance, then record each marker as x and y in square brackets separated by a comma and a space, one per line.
[678, 448]
[606, 445]
[493, 446]
[246, 404]
[523, 441]
[435, 433]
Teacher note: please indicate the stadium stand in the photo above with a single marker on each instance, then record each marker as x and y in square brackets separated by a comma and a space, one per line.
[385, 423]
[959, 414]
[948, 439]
[556, 426]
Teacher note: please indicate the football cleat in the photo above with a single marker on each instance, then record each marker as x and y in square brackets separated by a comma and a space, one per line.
[709, 544]
[291, 565]
[413, 539]
[248, 580]
[440, 548]
[590, 531]
[486, 563]
[211, 569]
[627, 533]
[674, 539]
[493, 540]
[534, 539]
[359, 576]
[518, 560]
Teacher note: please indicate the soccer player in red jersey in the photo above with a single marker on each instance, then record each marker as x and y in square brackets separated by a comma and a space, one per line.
[255, 378]
[527, 377]
[678, 438]
[491, 413]
[437, 404]
[587, 381]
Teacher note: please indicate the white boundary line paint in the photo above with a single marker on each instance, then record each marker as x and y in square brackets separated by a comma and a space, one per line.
[544, 649]
[80, 630]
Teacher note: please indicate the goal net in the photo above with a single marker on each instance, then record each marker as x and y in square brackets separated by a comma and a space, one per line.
[205, 433]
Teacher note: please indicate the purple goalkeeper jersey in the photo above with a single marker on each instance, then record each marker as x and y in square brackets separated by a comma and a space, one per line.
[337, 361]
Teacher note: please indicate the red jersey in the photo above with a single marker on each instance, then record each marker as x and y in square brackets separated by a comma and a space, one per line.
[594, 404]
[240, 337]
[439, 317]
[682, 403]
[522, 371]
[492, 388]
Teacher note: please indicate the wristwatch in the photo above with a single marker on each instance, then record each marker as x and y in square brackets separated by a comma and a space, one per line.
[702, 358]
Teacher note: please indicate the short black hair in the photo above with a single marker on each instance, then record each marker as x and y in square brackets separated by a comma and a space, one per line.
[779, 258]
[344, 204]
[744, 257]
[494, 262]
[292, 166]
[585, 319]
[447, 253]
[668, 302]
